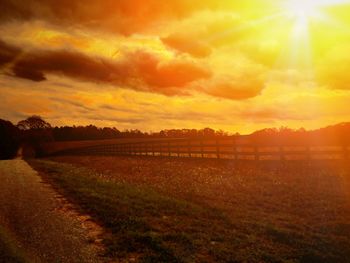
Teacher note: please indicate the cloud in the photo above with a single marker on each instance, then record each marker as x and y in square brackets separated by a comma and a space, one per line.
[205, 31]
[187, 44]
[63, 62]
[241, 84]
[235, 89]
[125, 17]
[72, 102]
[28, 73]
[7, 52]
[175, 73]
[137, 70]
[122, 16]
[128, 120]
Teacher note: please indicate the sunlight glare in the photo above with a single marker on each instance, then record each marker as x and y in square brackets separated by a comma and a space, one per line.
[303, 9]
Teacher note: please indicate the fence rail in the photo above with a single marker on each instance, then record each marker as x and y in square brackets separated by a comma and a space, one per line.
[225, 149]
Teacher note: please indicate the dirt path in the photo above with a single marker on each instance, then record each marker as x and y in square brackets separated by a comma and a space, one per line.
[30, 210]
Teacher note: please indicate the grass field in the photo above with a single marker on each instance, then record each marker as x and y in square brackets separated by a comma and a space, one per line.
[176, 210]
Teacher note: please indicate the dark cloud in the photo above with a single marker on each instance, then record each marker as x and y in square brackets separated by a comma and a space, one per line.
[115, 14]
[122, 16]
[7, 52]
[68, 63]
[28, 73]
[138, 70]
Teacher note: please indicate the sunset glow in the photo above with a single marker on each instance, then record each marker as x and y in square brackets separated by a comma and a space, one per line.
[152, 65]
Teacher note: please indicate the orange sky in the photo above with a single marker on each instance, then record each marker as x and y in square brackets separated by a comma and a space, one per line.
[152, 64]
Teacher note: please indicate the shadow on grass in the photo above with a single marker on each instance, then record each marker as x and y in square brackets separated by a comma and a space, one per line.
[9, 251]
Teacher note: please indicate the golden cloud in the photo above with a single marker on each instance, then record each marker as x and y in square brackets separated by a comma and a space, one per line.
[235, 87]
[186, 44]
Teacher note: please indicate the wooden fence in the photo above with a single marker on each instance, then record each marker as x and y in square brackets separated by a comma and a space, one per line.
[225, 149]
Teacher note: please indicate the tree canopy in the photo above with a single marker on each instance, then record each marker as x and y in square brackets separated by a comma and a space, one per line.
[34, 122]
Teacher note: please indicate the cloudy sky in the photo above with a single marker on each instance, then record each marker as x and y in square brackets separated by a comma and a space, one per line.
[154, 64]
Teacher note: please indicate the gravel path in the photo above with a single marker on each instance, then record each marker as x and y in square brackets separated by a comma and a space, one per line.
[30, 210]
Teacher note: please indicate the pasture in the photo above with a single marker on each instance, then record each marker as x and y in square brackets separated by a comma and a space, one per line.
[205, 210]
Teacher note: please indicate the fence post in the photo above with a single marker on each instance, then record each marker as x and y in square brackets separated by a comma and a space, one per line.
[256, 153]
[346, 152]
[217, 149]
[308, 153]
[234, 150]
[169, 154]
[189, 148]
[282, 156]
[202, 150]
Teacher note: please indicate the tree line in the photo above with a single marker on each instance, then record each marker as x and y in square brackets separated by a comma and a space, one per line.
[34, 131]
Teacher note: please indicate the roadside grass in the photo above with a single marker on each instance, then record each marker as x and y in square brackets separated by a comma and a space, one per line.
[9, 252]
[189, 211]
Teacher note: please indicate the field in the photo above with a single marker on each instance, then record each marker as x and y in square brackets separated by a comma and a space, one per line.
[190, 210]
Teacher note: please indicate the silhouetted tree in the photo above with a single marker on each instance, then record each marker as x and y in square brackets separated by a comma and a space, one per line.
[35, 131]
[33, 122]
[9, 140]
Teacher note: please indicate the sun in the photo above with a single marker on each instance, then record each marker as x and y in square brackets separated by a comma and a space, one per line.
[306, 9]
[303, 9]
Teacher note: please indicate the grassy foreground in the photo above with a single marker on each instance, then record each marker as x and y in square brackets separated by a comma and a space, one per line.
[267, 217]
[9, 251]
[144, 225]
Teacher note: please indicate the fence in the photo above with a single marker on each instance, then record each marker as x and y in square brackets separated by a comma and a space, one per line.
[205, 148]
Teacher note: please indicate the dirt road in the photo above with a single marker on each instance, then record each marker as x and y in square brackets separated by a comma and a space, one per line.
[29, 210]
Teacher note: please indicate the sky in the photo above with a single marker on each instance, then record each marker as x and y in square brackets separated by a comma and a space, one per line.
[238, 66]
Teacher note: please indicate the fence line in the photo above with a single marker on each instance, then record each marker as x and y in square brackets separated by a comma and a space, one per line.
[221, 149]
